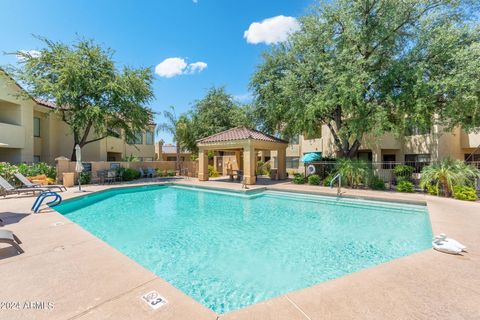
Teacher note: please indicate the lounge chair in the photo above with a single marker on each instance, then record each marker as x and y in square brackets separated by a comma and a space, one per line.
[7, 236]
[27, 183]
[9, 189]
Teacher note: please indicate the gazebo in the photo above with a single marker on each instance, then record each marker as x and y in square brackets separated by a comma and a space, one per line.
[248, 141]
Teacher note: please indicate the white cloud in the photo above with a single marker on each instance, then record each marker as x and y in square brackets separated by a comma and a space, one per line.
[32, 53]
[272, 30]
[196, 67]
[172, 67]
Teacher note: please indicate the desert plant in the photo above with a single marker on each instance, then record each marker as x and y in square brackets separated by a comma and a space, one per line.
[212, 172]
[405, 186]
[403, 172]
[376, 183]
[447, 173]
[465, 193]
[298, 178]
[354, 172]
[314, 179]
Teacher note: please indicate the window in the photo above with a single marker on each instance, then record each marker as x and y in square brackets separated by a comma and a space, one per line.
[418, 161]
[292, 162]
[36, 159]
[138, 139]
[149, 137]
[364, 155]
[36, 127]
[472, 157]
[388, 161]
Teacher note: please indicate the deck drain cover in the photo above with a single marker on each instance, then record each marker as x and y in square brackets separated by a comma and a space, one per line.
[154, 300]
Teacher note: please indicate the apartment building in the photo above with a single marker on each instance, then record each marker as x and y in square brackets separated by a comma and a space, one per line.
[414, 148]
[29, 132]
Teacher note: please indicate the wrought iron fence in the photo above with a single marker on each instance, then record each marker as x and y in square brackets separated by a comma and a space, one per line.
[383, 170]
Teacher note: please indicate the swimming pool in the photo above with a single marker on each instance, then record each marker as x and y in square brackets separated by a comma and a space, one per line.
[229, 250]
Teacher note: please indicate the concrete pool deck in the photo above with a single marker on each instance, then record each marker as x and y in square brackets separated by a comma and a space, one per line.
[85, 278]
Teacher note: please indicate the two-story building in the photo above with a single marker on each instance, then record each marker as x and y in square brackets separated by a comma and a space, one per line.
[31, 132]
[414, 147]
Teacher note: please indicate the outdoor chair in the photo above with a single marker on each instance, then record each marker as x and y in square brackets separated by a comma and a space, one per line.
[101, 176]
[150, 172]
[7, 236]
[27, 183]
[111, 176]
[9, 189]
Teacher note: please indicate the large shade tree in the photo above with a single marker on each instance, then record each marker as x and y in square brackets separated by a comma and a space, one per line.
[370, 66]
[93, 97]
[216, 112]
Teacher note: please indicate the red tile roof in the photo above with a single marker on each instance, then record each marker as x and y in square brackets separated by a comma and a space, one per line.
[240, 133]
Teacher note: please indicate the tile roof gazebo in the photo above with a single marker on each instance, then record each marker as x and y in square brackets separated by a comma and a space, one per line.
[248, 141]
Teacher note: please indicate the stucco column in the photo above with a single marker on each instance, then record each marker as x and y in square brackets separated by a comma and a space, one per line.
[281, 162]
[203, 165]
[249, 164]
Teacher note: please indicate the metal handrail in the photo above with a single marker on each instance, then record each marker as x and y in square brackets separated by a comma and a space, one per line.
[42, 196]
[339, 188]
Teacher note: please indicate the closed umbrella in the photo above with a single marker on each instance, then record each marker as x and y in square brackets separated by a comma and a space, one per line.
[78, 165]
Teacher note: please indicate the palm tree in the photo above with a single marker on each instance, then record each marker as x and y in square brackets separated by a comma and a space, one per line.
[448, 173]
[170, 126]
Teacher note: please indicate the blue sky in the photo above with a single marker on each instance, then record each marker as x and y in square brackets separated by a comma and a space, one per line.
[145, 33]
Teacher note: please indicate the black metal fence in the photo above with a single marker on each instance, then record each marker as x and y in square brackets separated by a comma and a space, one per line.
[382, 170]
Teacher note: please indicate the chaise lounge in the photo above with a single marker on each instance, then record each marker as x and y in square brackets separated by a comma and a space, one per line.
[27, 183]
[9, 189]
[7, 236]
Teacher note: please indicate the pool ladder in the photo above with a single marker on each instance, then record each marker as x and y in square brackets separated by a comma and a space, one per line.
[42, 196]
[339, 188]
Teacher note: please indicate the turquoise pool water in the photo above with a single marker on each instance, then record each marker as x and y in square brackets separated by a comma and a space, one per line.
[229, 250]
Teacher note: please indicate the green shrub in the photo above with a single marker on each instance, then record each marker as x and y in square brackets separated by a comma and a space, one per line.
[327, 180]
[403, 171]
[314, 179]
[405, 186]
[465, 193]
[376, 183]
[298, 178]
[212, 172]
[161, 173]
[85, 177]
[7, 170]
[433, 190]
[128, 174]
[171, 173]
[36, 169]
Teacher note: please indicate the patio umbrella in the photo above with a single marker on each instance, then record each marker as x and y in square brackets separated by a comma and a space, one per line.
[3, 144]
[78, 165]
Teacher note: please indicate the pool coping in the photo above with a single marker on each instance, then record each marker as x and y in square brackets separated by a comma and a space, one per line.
[292, 303]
